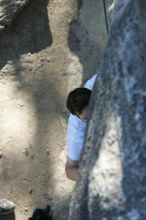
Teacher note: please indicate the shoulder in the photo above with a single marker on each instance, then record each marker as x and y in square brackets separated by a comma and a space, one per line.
[75, 121]
[76, 129]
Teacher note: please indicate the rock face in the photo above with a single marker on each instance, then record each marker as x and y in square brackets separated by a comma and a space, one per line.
[111, 184]
[9, 9]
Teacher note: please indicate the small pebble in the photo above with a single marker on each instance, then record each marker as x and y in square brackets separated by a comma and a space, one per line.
[1, 154]
[26, 209]
[47, 151]
[1, 27]
[25, 152]
[30, 190]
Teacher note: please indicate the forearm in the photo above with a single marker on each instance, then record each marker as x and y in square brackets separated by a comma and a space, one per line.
[72, 172]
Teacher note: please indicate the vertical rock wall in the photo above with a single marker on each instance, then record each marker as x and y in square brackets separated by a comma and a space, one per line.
[111, 184]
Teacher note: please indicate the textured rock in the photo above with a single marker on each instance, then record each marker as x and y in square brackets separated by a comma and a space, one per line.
[111, 184]
[9, 9]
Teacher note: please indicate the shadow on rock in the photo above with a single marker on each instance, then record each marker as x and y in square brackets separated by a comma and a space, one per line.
[87, 35]
[8, 217]
[29, 33]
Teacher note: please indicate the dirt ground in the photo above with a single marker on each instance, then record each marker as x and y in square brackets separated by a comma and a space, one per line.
[48, 50]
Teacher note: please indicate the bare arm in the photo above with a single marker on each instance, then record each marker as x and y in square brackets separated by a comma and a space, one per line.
[71, 169]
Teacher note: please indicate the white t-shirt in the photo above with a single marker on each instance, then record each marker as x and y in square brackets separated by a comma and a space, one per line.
[76, 130]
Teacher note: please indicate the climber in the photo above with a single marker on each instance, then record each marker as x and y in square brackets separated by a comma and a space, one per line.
[77, 103]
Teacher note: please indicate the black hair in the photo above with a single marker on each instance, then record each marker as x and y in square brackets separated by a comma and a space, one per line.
[78, 99]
